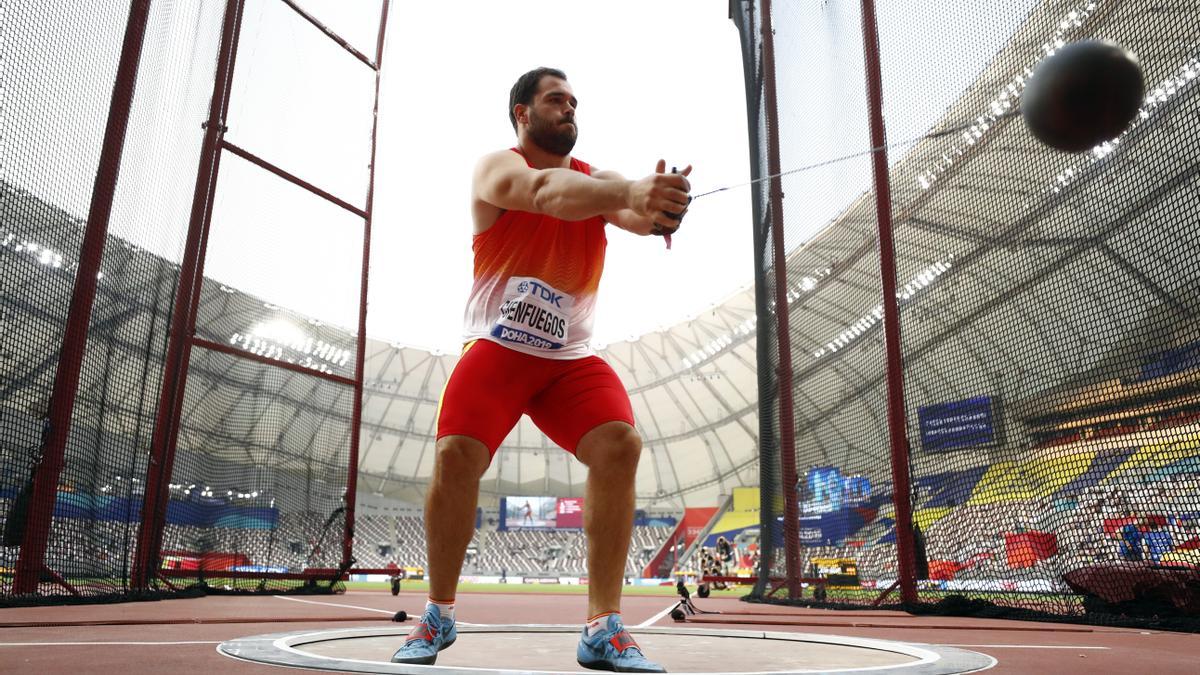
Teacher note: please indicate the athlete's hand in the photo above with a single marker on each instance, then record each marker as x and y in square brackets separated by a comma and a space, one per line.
[671, 220]
[660, 194]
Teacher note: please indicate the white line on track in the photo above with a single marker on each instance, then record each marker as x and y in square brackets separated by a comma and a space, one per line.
[1025, 646]
[654, 619]
[336, 604]
[644, 624]
[92, 644]
[365, 609]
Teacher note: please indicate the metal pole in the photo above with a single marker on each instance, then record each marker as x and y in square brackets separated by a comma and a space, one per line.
[166, 428]
[31, 562]
[359, 356]
[897, 431]
[787, 433]
[742, 13]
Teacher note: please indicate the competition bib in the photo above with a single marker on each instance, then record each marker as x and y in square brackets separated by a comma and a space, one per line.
[534, 314]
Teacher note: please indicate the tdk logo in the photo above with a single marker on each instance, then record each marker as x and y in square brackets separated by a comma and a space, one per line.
[523, 287]
[540, 291]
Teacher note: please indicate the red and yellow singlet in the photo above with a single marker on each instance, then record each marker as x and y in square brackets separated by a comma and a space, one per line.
[536, 278]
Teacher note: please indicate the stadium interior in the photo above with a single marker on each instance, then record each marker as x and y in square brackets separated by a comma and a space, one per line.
[1049, 380]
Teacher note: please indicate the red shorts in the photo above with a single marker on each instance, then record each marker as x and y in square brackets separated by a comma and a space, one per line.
[493, 385]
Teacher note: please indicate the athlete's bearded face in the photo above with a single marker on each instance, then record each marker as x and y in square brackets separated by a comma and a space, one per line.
[552, 118]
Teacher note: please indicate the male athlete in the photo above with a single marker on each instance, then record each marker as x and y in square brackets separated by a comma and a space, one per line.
[539, 244]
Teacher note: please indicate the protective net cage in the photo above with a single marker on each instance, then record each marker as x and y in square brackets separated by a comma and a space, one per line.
[1049, 339]
[183, 293]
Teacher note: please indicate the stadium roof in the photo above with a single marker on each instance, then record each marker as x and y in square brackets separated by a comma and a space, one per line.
[977, 229]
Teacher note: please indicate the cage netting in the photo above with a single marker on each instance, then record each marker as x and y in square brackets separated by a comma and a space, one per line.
[1048, 311]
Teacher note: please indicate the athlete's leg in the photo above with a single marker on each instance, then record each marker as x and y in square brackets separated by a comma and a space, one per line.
[481, 403]
[586, 411]
[450, 510]
[611, 452]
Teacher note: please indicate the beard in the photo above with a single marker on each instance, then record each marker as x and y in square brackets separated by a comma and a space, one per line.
[555, 137]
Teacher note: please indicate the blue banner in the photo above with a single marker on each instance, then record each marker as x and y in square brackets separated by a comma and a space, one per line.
[198, 512]
[835, 527]
[1170, 362]
[826, 488]
[656, 521]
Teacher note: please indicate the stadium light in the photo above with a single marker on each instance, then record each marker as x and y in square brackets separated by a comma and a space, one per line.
[924, 279]
[719, 343]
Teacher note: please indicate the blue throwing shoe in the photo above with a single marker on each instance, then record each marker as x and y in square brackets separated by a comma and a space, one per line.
[431, 635]
[613, 648]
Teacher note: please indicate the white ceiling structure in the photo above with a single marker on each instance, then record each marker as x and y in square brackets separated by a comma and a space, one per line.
[694, 386]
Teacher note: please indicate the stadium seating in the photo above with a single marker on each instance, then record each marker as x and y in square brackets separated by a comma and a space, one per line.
[1071, 492]
[950, 488]
[1102, 465]
[1152, 458]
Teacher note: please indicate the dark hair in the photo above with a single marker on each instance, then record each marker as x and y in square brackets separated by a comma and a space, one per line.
[526, 87]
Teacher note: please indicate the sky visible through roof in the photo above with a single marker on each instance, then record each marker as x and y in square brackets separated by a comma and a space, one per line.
[654, 80]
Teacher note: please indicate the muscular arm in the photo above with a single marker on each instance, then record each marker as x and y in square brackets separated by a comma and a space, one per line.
[503, 180]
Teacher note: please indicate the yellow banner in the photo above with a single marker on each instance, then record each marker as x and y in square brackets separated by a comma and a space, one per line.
[746, 499]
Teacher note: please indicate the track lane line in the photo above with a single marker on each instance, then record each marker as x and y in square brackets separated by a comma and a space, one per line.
[335, 604]
[365, 609]
[654, 619]
[644, 624]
